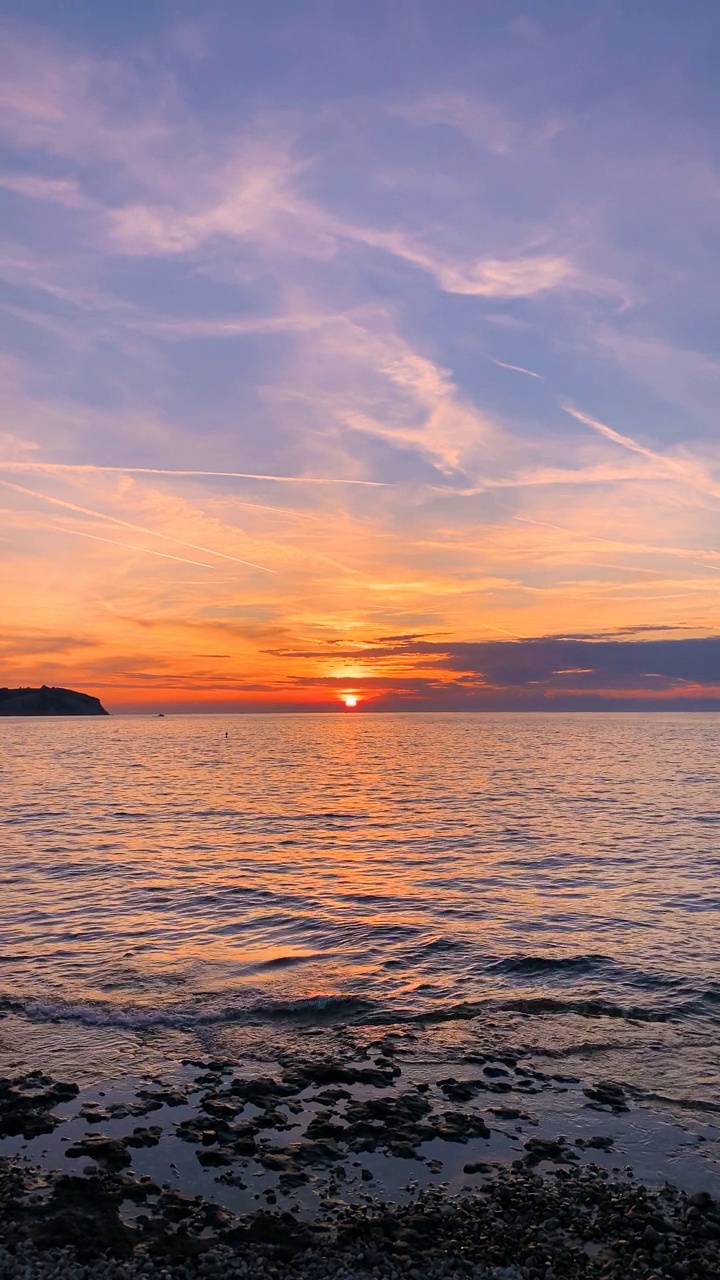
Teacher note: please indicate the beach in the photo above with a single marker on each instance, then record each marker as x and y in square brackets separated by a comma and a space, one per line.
[344, 1166]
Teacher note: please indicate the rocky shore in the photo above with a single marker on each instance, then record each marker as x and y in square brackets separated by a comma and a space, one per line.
[519, 1225]
[334, 1167]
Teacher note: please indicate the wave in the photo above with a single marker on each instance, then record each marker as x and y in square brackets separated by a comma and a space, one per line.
[684, 996]
[531, 965]
[683, 1104]
[538, 1005]
[97, 1014]
[328, 1009]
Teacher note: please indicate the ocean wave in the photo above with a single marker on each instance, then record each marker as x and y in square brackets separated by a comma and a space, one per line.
[538, 1005]
[682, 1104]
[335, 1008]
[532, 965]
[97, 1014]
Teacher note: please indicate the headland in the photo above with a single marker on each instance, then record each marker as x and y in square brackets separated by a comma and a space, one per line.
[46, 701]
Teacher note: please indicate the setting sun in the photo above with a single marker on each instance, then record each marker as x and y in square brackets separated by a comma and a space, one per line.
[350, 700]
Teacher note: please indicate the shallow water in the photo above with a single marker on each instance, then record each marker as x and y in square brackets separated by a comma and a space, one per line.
[552, 879]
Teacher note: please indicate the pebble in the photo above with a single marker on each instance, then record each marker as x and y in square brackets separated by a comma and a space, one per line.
[575, 1223]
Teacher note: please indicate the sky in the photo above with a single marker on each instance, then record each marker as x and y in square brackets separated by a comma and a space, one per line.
[359, 347]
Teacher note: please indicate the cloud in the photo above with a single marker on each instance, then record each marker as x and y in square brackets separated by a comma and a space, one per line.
[509, 278]
[63, 191]
[11, 444]
[61, 100]
[544, 672]
[128, 524]
[482, 123]
[681, 376]
[128, 546]
[689, 470]
[609, 664]
[257, 189]
[361, 374]
[265, 206]
[250, 189]
[520, 276]
[16, 643]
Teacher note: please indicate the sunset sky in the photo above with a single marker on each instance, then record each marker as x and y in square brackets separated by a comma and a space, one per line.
[360, 347]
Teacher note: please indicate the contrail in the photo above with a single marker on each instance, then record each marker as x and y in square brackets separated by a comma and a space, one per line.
[131, 546]
[127, 524]
[166, 471]
[637, 548]
[610, 434]
[502, 631]
[688, 471]
[518, 369]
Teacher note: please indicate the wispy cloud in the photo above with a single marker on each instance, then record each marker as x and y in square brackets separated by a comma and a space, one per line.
[687, 469]
[128, 524]
[63, 191]
[127, 546]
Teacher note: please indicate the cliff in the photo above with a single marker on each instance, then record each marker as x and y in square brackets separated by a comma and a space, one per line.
[49, 702]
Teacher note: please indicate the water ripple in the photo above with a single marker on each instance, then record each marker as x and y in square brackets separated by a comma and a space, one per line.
[408, 867]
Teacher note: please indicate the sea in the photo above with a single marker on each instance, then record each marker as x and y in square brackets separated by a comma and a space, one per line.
[227, 885]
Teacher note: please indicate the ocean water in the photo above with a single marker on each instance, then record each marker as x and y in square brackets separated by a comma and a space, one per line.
[543, 880]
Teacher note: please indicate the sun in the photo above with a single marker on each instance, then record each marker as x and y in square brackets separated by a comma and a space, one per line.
[350, 700]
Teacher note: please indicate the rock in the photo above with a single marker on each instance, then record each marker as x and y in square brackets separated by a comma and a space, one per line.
[26, 1102]
[141, 1137]
[329, 1072]
[111, 1152]
[599, 1142]
[515, 1225]
[700, 1200]
[213, 1158]
[321, 1152]
[84, 1213]
[178, 1206]
[403, 1150]
[163, 1097]
[278, 1161]
[608, 1094]
[548, 1149]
